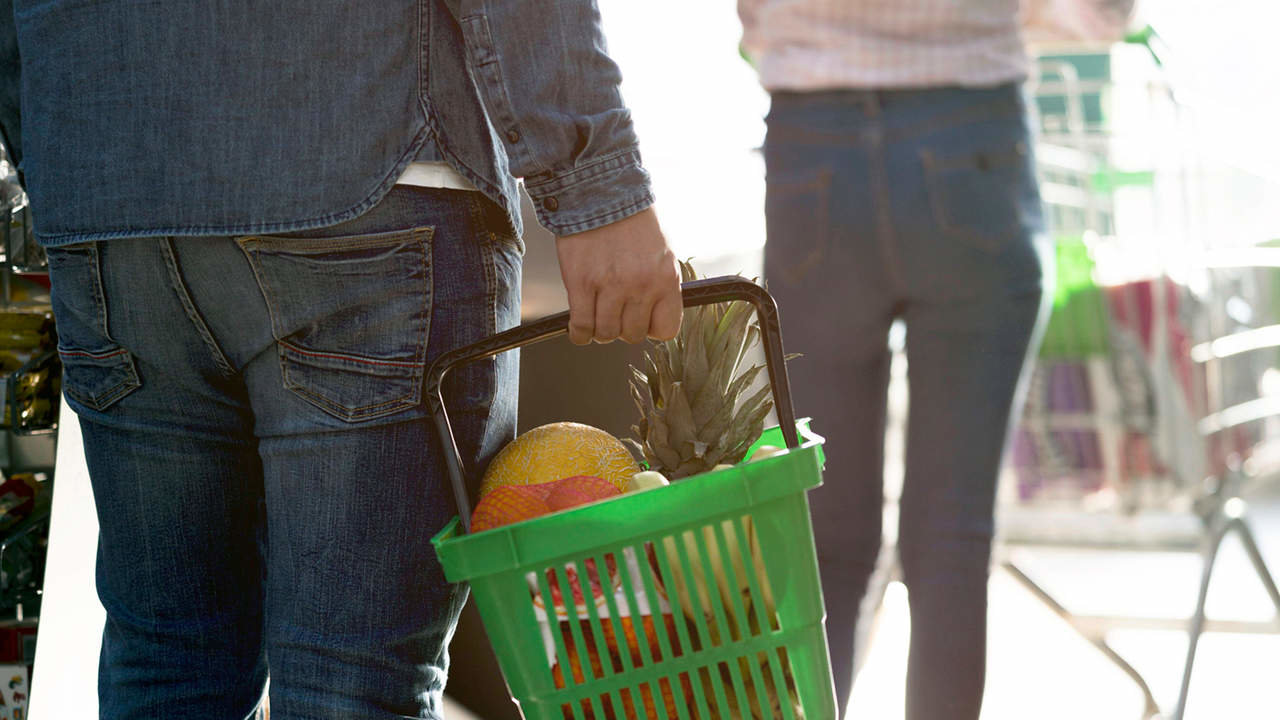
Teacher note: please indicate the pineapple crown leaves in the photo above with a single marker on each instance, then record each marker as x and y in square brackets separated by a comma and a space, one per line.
[688, 394]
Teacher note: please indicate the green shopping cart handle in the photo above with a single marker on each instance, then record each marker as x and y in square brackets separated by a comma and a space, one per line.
[698, 292]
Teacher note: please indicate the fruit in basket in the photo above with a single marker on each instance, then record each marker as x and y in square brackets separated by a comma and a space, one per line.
[568, 493]
[766, 451]
[692, 414]
[774, 696]
[578, 490]
[507, 504]
[631, 710]
[696, 593]
[513, 503]
[510, 504]
[560, 450]
[646, 480]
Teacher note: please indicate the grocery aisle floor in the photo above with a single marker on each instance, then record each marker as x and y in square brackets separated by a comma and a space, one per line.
[1039, 667]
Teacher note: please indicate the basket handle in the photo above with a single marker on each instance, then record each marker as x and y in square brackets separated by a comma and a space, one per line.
[706, 291]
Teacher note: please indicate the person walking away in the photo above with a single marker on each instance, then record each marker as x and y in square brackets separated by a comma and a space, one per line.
[901, 185]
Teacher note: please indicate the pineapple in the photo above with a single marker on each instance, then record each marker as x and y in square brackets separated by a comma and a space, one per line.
[693, 418]
[688, 395]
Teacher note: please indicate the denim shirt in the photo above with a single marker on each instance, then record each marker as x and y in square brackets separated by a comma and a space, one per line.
[219, 117]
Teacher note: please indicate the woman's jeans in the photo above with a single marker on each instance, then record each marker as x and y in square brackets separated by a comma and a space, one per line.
[920, 205]
[266, 479]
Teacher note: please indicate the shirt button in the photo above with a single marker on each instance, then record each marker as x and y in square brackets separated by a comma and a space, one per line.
[513, 136]
[551, 203]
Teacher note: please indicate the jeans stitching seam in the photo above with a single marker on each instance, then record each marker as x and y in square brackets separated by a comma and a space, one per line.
[353, 412]
[423, 237]
[821, 186]
[106, 397]
[91, 355]
[351, 358]
[97, 401]
[982, 112]
[188, 305]
[99, 296]
[487, 265]
[262, 287]
[427, 244]
[933, 187]
[322, 245]
[884, 211]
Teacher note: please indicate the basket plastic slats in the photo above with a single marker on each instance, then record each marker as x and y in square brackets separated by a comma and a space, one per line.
[777, 669]
[733, 582]
[575, 629]
[679, 613]
[702, 678]
[729, 633]
[797, 609]
[651, 595]
[562, 654]
[650, 690]
[765, 621]
[678, 621]
[739, 611]
[597, 630]
[712, 588]
[642, 640]
[742, 627]
[619, 632]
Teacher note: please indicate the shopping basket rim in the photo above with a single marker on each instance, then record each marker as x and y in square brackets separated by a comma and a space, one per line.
[604, 525]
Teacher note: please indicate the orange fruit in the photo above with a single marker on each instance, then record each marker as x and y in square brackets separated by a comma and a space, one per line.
[631, 710]
[506, 505]
[577, 490]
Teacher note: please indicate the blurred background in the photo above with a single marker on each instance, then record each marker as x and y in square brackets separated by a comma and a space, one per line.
[1149, 431]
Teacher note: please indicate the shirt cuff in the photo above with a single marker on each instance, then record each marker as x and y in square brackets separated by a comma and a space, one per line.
[591, 196]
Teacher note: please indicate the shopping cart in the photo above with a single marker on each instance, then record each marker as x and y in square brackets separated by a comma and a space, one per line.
[1143, 422]
[743, 638]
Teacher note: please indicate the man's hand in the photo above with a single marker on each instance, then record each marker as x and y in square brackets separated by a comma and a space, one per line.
[622, 280]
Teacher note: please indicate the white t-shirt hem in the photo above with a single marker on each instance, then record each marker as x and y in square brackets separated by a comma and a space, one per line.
[434, 174]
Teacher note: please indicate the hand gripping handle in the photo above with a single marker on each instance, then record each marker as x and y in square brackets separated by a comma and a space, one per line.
[698, 292]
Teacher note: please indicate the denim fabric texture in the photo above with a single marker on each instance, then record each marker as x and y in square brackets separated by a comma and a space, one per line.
[10, 92]
[266, 480]
[209, 118]
[920, 205]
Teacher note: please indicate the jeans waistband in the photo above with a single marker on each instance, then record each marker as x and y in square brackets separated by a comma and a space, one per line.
[875, 100]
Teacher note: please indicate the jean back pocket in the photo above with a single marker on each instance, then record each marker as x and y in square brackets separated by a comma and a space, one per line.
[798, 220]
[350, 316]
[97, 371]
[982, 196]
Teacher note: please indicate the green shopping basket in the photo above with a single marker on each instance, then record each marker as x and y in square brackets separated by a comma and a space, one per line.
[704, 598]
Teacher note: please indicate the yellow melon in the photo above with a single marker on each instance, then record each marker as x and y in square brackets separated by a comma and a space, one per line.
[557, 451]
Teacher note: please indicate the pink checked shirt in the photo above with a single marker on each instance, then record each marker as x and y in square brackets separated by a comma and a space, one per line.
[823, 44]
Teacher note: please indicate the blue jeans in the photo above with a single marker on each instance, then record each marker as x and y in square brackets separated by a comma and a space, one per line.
[265, 477]
[920, 205]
